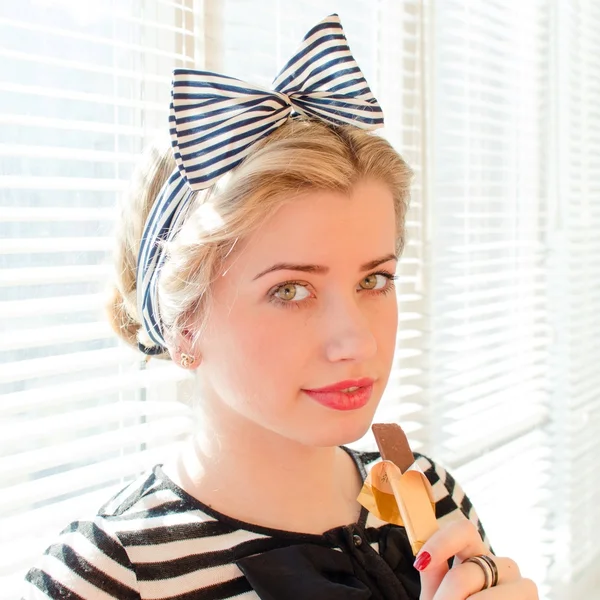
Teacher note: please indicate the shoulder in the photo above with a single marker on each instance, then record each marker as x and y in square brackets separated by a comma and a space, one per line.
[85, 561]
[144, 492]
[88, 558]
[451, 501]
[148, 533]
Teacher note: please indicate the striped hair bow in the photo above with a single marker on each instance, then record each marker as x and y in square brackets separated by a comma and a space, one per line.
[215, 121]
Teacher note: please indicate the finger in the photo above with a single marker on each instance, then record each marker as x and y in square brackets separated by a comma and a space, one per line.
[431, 581]
[459, 538]
[522, 589]
[508, 569]
[468, 579]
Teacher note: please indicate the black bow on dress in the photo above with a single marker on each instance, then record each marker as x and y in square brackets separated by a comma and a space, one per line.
[319, 572]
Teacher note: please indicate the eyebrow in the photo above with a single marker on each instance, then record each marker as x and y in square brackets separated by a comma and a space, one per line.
[322, 270]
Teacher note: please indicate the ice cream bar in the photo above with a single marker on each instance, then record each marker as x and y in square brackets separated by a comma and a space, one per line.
[410, 488]
[393, 445]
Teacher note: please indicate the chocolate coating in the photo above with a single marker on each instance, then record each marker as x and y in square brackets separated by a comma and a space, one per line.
[393, 445]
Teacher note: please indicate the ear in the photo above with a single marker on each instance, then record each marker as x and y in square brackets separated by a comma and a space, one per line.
[184, 353]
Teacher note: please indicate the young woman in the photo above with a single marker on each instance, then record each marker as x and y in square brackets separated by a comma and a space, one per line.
[260, 254]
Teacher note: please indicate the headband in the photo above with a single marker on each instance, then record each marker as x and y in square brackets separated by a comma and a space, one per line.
[214, 122]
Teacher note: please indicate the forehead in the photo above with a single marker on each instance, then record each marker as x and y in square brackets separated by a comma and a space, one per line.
[325, 227]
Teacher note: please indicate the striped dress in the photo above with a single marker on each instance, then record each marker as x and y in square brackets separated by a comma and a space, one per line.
[154, 541]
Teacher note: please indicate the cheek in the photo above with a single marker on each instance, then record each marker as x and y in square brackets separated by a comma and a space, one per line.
[272, 340]
[258, 349]
[386, 326]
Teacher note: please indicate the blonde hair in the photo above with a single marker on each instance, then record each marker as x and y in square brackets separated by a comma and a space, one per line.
[300, 155]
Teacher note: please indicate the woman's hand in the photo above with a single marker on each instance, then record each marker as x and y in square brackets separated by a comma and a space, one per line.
[466, 580]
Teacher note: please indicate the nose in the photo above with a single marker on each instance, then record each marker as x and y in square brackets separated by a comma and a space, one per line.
[347, 332]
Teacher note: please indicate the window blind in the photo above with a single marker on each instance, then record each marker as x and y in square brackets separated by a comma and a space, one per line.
[489, 322]
[512, 271]
[83, 88]
[574, 257]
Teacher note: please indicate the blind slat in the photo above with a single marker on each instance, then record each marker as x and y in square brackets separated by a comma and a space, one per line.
[112, 42]
[16, 182]
[34, 214]
[22, 339]
[48, 245]
[86, 449]
[39, 92]
[84, 419]
[32, 368]
[62, 274]
[34, 122]
[53, 305]
[55, 396]
[58, 153]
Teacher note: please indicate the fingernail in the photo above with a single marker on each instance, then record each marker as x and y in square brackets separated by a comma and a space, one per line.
[422, 561]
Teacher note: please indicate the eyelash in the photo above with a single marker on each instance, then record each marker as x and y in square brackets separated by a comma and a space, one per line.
[291, 304]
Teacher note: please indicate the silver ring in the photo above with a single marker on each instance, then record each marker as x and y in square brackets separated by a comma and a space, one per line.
[488, 566]
[493, 567]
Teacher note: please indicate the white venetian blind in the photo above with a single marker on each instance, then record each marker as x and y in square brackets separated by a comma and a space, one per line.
[490, 337]
[574, 247]
[514, 273]
[83, 87]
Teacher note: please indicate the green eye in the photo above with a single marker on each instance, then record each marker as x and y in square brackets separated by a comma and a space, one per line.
[371, 282]
[287, 292]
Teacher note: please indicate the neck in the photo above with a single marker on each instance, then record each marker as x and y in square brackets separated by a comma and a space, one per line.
[258, 476]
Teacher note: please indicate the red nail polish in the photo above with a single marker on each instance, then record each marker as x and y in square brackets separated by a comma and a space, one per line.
[422, 561]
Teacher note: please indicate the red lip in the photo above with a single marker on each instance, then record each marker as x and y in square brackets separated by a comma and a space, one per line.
[343, 385]
[343, 400]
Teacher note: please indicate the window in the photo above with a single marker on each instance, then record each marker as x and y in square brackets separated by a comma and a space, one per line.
[82, 91]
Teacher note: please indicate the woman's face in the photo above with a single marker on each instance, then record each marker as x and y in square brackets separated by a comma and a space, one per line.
[274, 332]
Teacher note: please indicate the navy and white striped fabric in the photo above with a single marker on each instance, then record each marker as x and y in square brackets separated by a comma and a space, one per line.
[153, 540]
[215, 120]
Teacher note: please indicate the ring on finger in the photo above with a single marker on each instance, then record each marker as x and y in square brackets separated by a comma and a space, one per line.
[494, 568]
[489, 568]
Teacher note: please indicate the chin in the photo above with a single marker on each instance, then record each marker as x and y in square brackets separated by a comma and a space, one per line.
[339, 432]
